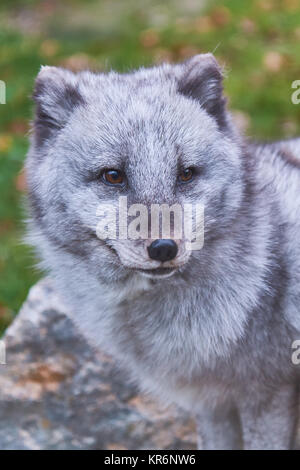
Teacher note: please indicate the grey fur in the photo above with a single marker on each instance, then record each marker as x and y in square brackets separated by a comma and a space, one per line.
[216, 336]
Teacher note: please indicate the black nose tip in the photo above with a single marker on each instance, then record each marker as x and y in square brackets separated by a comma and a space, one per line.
[163, 250]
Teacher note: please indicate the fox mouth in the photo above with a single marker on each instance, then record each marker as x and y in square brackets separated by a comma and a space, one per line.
[157, 273]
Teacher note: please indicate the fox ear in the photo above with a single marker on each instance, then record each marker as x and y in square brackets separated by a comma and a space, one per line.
[202, 80]
[56, 94]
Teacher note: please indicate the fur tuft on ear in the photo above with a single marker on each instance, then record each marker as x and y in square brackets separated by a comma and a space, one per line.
[56, 94]
[202, 80]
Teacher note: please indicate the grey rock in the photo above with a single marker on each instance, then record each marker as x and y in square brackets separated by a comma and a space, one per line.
[57, 392]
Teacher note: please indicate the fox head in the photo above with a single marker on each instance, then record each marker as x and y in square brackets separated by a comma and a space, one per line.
[152, 137]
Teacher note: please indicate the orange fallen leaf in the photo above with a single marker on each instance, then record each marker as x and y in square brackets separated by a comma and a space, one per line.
[291, 5]
[273, 61]
[185, 52]
[3, 311]
[49, 47]
[19, 127]
[20, 182]
[248, 26]
[5, 142]
[204, 24]
[149, 38]
[266, 5]
[221, 16]
[80, 61]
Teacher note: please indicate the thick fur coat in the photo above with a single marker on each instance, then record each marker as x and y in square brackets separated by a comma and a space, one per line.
[216, 336]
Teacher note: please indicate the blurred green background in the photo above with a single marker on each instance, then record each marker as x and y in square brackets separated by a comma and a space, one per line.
[258, 41]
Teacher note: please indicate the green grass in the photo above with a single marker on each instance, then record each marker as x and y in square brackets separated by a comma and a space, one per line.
[257, 41]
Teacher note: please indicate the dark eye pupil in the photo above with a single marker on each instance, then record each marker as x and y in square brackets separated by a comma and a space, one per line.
[113, 176]
[187, 174]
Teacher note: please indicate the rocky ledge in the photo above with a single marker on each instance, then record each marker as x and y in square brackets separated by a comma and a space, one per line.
[57, 392]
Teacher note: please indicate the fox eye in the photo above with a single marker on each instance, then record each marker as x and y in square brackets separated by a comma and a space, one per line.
[113, 177]
[186, 175]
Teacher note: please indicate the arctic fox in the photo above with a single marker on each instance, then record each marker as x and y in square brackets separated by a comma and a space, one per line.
[210, 329]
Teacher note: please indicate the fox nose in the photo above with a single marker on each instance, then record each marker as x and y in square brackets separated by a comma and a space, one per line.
[162, 250]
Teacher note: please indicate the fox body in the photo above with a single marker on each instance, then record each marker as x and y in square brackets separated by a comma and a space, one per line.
[210, 329]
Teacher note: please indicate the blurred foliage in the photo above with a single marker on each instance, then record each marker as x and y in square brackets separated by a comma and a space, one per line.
[258, 42]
